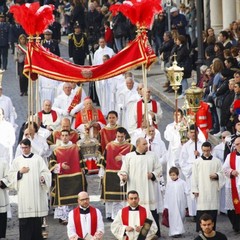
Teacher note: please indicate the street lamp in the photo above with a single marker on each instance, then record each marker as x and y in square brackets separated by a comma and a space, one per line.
[175, 75]
[194, 96]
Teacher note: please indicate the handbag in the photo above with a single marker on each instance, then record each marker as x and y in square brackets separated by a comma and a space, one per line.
[165, 220]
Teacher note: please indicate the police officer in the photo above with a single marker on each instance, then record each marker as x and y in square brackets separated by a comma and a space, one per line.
[4, 40]
[77, 45]
[49, 43]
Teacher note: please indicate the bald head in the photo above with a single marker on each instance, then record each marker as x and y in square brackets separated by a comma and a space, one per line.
[83, 199]
[141, 145]
[65, 124]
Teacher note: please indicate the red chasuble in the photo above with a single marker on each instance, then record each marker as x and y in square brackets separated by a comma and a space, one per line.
[69, 155]
[77, 221]
[140, 106]
[84, 116]
[107, 135]
[114, 149]
[235, 196]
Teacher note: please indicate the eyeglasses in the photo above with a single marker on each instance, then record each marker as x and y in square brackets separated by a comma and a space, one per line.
[85, 199]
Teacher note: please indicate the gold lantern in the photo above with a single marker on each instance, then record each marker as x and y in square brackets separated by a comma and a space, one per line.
[175, 75]
[194, 96]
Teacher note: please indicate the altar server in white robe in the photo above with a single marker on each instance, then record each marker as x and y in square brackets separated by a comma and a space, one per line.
[140, 169]
[218, 152]
[187, 156]
[175, 200]
[89, 219]
[129, 220]
[172, 135]
[207, 181]
[7, 139]
[4, 198]
[47, 89]
[30, 177]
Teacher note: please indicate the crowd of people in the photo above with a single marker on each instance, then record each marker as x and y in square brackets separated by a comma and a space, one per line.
[50, 163]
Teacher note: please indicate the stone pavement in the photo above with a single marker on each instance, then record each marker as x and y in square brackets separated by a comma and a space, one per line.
[156, 79]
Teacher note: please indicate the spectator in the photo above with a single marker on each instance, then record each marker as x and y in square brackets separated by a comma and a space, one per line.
[159, 27]
[223, 37]
[178, 21]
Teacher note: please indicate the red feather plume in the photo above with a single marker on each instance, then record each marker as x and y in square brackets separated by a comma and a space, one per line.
[139, 12]
[33, 18]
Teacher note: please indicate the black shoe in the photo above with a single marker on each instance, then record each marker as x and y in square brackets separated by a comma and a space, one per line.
[177, 236]
[21, 94]
[25, 94]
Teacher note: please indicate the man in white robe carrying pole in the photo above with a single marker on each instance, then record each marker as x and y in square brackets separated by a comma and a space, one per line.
[187, 156]
[29, 175]
[207, 181]
[140, 169]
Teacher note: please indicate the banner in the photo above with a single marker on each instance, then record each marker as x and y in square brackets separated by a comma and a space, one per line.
[40, 61]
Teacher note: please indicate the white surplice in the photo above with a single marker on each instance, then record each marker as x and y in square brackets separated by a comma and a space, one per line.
[137, 167]
[32, 194]
[209, 190]
[86, 224]
[4, 199]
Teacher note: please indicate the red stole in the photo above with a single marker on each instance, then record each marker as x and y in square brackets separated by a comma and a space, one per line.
[114, 149]
[142, 215]
[70, 155]
[77, 221]
[235, 196]
[53, 113]
[140, 112]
